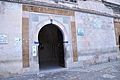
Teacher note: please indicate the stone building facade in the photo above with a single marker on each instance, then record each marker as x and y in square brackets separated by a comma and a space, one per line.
[40, 34]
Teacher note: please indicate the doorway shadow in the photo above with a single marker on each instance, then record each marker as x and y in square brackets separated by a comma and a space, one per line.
[51, 48]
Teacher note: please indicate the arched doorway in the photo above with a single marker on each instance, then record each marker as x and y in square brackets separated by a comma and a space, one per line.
[51, 48]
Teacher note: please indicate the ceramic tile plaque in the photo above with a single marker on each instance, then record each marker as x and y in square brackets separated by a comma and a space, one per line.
[80, 31]
[3, 39]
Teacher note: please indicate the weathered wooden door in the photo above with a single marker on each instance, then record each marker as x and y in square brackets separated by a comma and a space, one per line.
[61, 49]
[51, 48]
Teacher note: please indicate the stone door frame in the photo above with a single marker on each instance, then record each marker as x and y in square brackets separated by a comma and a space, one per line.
[70, 48]
[62, 29]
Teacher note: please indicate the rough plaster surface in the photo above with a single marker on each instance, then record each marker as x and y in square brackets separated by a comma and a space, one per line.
[98, 31]
[10, 25]
[95, 36]
[94, 5]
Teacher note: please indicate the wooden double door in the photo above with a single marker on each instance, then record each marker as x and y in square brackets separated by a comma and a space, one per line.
[51, 47]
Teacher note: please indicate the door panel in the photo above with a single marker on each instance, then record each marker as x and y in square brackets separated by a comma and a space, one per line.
[51, 49]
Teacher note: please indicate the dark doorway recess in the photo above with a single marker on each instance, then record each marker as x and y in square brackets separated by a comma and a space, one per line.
[51, 48]
[119, 42]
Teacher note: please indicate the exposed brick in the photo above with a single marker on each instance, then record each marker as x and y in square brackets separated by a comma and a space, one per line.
[25, 42]
[117, 30]
[74, 42]
[47, 10]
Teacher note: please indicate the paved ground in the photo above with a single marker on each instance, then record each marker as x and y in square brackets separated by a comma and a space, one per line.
[106, 71]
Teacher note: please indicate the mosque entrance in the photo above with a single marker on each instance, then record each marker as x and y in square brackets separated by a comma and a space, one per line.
[51, 47]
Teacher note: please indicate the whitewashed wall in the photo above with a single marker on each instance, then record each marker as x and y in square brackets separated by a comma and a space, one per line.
[94, 5]
[95, 37]
[11, 27]
[98, 31]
